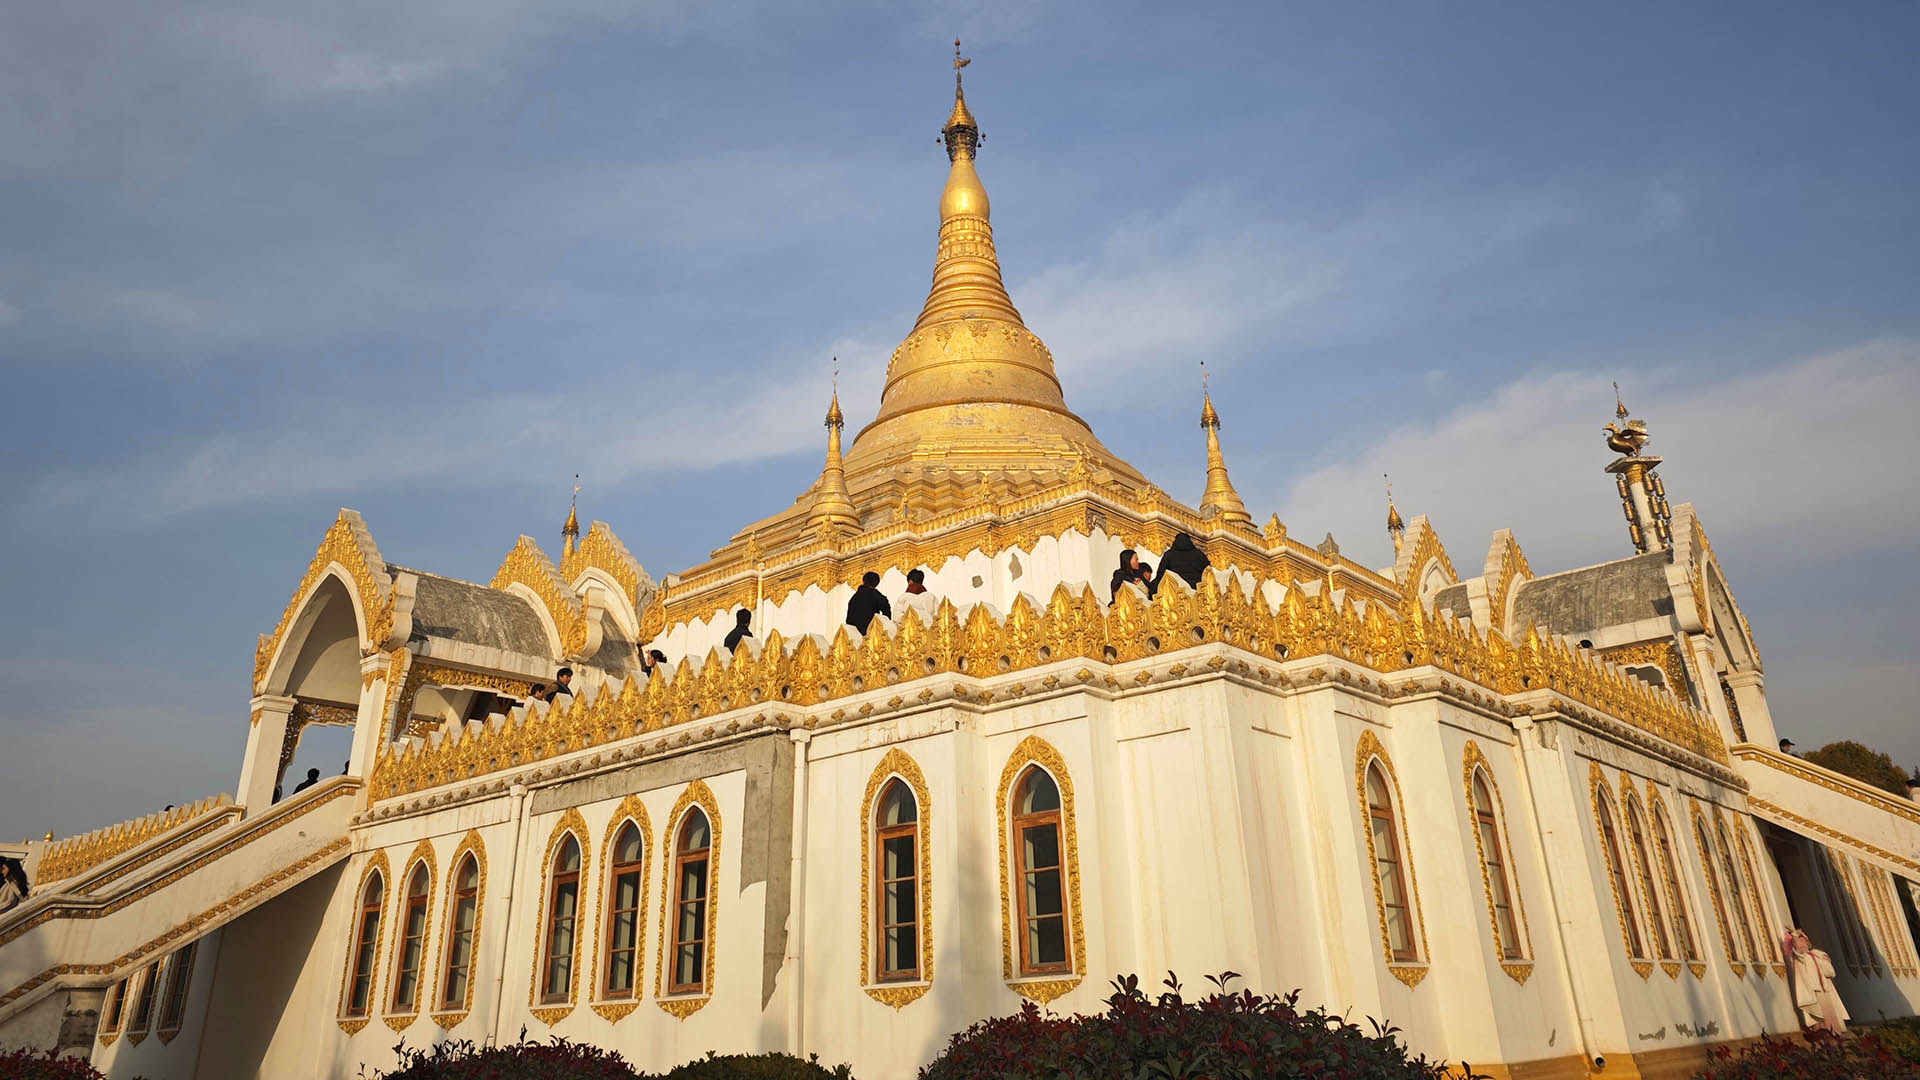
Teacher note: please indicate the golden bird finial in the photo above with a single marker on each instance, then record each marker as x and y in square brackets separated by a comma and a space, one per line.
[1395, 527]
[962, 133]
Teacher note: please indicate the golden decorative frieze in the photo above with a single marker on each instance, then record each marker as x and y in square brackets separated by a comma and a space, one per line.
[348, 545]
[570, 824]
[1071, 625]
[601, 550]
[528, 566]
[72, 855]
[1517, 968]
[1033, 750]
[684, 1005]
[1832, 781]
[1411, 567]
[1368, 750]
[351, 1023]
[1043, 991]
[1663, 654]
[897, 763]
[631, 809]
[470, 844]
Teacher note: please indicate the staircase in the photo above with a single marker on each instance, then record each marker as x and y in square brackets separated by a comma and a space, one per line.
[147, 895]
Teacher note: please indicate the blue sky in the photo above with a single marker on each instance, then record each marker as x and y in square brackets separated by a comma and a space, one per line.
[429, 260]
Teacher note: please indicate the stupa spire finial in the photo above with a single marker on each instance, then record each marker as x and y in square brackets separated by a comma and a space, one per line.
[833, 508]
[570, 532]
[1219, 500]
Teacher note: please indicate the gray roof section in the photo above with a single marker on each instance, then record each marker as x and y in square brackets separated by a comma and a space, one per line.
[1582, 601]
[462, 611]
[1453, 601]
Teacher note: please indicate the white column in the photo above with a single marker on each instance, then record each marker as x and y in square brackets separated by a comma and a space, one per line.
[1750, 695]
[260, 772]
[369, 729]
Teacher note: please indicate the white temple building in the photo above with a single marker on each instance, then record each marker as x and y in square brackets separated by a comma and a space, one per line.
[1538, 821]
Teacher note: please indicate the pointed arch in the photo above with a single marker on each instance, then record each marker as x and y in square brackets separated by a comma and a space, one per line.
[1737, 892]
[1606, 827]
[1685, 929]
[347, 552]
[897, 766]
[1421, 556]
[407, 948]
[699, 797]
[1703, 840]
[363, 945]
[559, 920]
[529, 573]
[1640, 851]
[459, 954]
[1033, 752]
[1770, 938]
[1493, 844]
[1384, 826]
[615, 914]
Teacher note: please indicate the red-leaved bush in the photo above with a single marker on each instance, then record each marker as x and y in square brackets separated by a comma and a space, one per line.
[559, 1059]
[1817, 1056]
[45, 1065]
[1223, 1036]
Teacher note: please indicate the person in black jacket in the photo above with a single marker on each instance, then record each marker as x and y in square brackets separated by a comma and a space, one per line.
[1183, 559]
[740, 629]
[866, 602]
[1131, 570]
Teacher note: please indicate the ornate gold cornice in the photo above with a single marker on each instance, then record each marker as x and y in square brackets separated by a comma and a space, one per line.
[1070, 625]
[349, 545]
[67, 857]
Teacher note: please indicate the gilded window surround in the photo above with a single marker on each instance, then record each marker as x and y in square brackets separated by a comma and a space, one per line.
[1033, 750]
[897, 763]
[1657, 808]
[1701, 834]
[110, 1032]
[1521, 968]
[630, 809]
[681, 1006]
[136, 1028]
[1629, 806]
[188, 928]
[401, 1020]
[470, 844]
[1369, 750]
[1597, 781]
[570, 824]
[1873, 952]
[1071, 625]
[1762, 901]
[1730, 861]
[377, 864]
[161, 1031]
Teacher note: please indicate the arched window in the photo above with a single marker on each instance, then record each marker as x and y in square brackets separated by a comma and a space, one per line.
[1736, 897]
[463, 919]
[111, 1009]
[366, 946]
[1493, 863]
[1704, 840]
[1637, 836]
[1763, 918]
[692, 878]
[173, 1005]
[149, 988]
[897, 839]
[1616, 873]
[413, 941]
[1676, 895]
[1389, 876]
[1040, 889]
[563, 909]
[626, 882]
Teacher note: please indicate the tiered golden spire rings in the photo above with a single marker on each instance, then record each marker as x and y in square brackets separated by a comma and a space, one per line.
[1219, 500]
[962, 134]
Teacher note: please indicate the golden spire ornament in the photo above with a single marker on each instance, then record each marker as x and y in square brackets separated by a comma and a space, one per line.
[1395, 527]
[570, 532]
[1220, 500]
[833, 508]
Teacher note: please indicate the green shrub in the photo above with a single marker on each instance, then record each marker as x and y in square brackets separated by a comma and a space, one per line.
[757, 1067]
[1223, 1036]
[1901, 1037]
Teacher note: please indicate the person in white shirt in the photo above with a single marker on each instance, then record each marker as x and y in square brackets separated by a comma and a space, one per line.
[917, 599]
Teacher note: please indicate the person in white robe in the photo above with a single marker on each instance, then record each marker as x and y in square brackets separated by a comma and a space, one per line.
[1813, 991]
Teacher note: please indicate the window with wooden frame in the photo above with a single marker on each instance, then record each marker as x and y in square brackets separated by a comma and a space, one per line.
[147, 989]
[1637, 837]
[1389, 873]
[1704, 840]
[1736, 896]
[1676, 894]
[1769, 938]
[1040, 875]
[110, 1010]
[173, 1004]
[413, 941]
[563, 910]
[1616, 872]
[692, 878]
[626, 880]
[897, 839]
[1493, 862]
[463, 914]
[366, 946]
